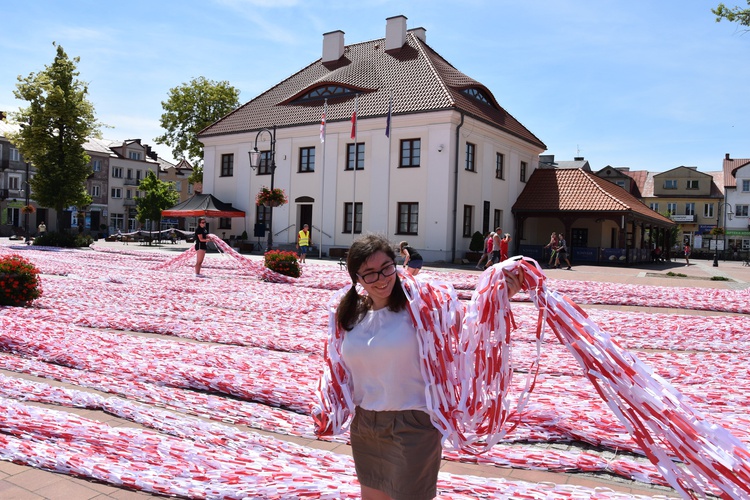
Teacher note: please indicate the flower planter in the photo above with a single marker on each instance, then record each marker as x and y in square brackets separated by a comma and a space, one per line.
[271, 197]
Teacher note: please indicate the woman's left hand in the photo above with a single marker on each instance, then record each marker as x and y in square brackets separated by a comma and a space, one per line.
[514, 279]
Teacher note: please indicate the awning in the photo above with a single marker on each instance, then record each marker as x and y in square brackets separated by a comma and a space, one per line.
[202, 205]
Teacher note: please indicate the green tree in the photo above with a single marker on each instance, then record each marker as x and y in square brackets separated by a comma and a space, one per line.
[196, 176]
[190, 108]
[157, 195]
[734, 15]
[55, 126]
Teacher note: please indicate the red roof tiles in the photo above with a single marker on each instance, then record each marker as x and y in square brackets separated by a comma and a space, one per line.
[730, 167]
[575, 190]
[417, 77]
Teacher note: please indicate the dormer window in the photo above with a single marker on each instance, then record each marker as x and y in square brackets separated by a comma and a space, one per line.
[326, 91]
[478, 95]
[134, 155]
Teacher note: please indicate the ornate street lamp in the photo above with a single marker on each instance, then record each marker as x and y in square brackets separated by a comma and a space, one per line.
[255, 155]
[724, 227]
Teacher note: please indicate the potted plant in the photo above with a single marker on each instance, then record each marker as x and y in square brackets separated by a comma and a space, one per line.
[28, 209]
[271, 197]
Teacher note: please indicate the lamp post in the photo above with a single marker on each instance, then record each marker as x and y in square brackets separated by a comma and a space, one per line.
[255, 163]
[28, 201]
[724, 227]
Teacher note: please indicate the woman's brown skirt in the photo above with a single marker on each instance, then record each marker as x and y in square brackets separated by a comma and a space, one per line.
[397, 452]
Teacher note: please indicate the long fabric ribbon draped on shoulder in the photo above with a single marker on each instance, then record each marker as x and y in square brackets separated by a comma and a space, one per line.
[466, 363]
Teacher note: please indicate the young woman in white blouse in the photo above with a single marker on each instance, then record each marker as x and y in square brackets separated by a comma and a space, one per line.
[396, 448]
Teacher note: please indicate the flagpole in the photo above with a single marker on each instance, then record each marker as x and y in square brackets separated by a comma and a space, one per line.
[323, 174]
[388, 172]
[356, 161]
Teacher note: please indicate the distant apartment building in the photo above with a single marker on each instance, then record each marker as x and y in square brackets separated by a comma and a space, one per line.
[736, 209]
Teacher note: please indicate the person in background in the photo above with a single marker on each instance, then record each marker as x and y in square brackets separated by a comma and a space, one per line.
[552, 245]
[686, 249]
[562, 251]
[486, 251]
[504, 244]
[201, 245]
[395, 446]
[496, 238]
[304, 242]
[412, 259]
[42, 228]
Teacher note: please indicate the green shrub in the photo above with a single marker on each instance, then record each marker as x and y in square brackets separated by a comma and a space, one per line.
[19, 281]
[477, 242]
[64, 240]
[282, 262]
[719, 278]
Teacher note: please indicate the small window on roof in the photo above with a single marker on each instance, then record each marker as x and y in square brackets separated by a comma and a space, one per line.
[325, 91]
[478, 95]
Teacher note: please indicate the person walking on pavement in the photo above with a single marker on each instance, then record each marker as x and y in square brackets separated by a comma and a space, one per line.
[304, 242]
[486, 251]
[552, 245]
[562, 251]
[495, 247]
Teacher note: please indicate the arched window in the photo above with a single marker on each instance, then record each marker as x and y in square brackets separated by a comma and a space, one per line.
[478, 95]
[325, 91]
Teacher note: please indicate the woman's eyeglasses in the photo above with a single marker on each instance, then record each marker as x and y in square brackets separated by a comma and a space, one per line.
[371, 278]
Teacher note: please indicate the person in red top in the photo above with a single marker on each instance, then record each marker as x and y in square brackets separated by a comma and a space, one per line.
[487, 251]
[504, 243]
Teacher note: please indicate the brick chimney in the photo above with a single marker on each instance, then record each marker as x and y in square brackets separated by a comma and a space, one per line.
[333, 46]
[395, 32]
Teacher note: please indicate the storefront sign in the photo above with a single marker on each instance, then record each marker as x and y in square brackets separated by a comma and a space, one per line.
[682, 218]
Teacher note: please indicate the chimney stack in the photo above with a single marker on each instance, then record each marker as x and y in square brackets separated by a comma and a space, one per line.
[395, 32]
[726, 156]
[420, 33]
[333, 46]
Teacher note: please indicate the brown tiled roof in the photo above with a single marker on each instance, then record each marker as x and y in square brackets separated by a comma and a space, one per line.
[730, 167]
[417, 77]
[575, 190]
[717, 186]
[639, 178]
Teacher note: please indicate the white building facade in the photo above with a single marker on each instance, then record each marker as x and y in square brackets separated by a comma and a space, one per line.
[453, 163]
[736, 213]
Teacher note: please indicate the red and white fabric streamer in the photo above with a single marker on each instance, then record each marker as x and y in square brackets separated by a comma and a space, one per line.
[467, 368]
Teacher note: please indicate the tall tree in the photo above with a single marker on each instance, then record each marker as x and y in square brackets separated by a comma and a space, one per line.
[55, 126]
[157, 195]
[734, 15]
[190, 108]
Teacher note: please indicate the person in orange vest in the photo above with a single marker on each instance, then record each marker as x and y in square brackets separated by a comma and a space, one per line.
[304, 242]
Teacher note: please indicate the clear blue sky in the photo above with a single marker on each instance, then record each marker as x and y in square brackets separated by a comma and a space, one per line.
[644, 84]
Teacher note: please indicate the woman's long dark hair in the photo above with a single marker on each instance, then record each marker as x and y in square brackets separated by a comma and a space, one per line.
[353, 306]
